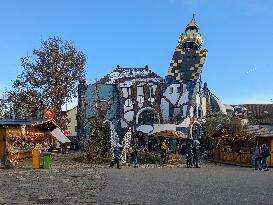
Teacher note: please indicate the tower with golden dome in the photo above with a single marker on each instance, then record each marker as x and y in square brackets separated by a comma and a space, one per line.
[188, 58]
[139, 99]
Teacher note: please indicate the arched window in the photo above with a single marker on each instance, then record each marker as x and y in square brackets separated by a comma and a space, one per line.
[148, 117]
[196, 131]
[199, 112]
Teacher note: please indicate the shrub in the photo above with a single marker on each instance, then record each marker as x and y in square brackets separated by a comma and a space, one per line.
[148, 157]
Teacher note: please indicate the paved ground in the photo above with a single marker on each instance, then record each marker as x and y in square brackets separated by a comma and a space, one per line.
[69, 182]
[207, 185]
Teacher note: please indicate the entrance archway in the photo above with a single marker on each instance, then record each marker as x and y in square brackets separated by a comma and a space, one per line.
[196, 131]
[147, 116]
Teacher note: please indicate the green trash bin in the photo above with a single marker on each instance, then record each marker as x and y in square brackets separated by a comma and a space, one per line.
[47, 160]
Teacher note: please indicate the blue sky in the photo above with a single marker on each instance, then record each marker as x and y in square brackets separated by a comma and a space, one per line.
[237, 34]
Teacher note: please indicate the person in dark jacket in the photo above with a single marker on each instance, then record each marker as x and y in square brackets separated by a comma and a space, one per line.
[264, 154]
[134, 157]
[189, 156]
[117, 155]
[64, 148]
[195, 152]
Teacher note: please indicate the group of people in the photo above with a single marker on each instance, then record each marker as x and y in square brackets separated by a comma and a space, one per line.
[259, 158]
[132, 151]
[192, 155]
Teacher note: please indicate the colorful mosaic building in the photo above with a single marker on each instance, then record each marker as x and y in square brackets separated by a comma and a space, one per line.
[141, 99]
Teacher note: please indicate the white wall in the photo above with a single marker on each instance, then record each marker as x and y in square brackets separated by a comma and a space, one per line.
[204, 106]
[129, 116]
[71, 115]
[164, 106]
[174, 96]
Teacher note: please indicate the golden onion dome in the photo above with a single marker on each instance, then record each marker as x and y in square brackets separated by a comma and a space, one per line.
[191, 35]
[192, 25]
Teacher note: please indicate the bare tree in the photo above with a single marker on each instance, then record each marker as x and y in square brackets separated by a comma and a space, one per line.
[49, 78]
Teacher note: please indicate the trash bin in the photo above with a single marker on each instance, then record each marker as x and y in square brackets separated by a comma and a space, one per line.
[47, 160]
[36, 159]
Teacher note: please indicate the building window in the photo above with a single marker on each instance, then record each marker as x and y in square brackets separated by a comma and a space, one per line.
[177, 114]
[148, 117]
[151, 101]
[128, 102]
[195, 112]
[140, 99]
[182, 74]
[129, 91]
[196, 131]
[199, 113]
[76, 128]
[151, 91]
[171, 90]
[178, 89]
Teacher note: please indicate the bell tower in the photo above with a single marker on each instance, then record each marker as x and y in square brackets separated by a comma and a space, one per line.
[188, 59]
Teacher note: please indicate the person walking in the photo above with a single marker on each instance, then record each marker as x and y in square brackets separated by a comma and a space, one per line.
[264, 154]
[117, 155]
[195, 152]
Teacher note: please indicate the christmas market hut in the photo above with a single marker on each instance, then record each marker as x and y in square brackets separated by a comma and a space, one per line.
[238, 149]
[18, 137]
[174, 140]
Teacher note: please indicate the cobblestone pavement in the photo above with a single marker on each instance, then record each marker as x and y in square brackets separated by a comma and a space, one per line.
[211, 184]
[68, 182]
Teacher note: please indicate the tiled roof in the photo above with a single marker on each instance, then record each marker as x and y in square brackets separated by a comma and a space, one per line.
[19, 122]
[260, 113]
[259, 131]
[124, 74]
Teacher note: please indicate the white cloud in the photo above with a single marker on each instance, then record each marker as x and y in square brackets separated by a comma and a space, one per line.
[251, 70]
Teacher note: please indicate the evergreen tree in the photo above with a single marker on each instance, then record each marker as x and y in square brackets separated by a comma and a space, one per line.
[99, 142]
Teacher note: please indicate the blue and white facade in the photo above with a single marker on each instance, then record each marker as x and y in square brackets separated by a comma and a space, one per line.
[141, 99]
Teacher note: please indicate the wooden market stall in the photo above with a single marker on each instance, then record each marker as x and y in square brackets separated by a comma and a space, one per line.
[173, 138]
[238, 150]
[19, 137]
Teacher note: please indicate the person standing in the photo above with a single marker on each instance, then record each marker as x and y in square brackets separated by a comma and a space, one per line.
[189, 156]
[117, 155]
[134, 156]
[64, 148]
[164, 147]
[256, 158]
[195, 152]
[264, 154]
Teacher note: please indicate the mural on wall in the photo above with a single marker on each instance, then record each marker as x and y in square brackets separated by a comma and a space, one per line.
[139, 99]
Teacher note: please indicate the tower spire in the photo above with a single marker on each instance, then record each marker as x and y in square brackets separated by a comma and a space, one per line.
[192, 25]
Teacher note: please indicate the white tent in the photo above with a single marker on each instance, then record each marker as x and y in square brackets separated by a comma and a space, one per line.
[59, 135]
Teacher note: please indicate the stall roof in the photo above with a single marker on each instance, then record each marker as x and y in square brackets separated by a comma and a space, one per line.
[59, 135]
[259, 131]
[19, 122]
[172, 134]
[45, 124]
